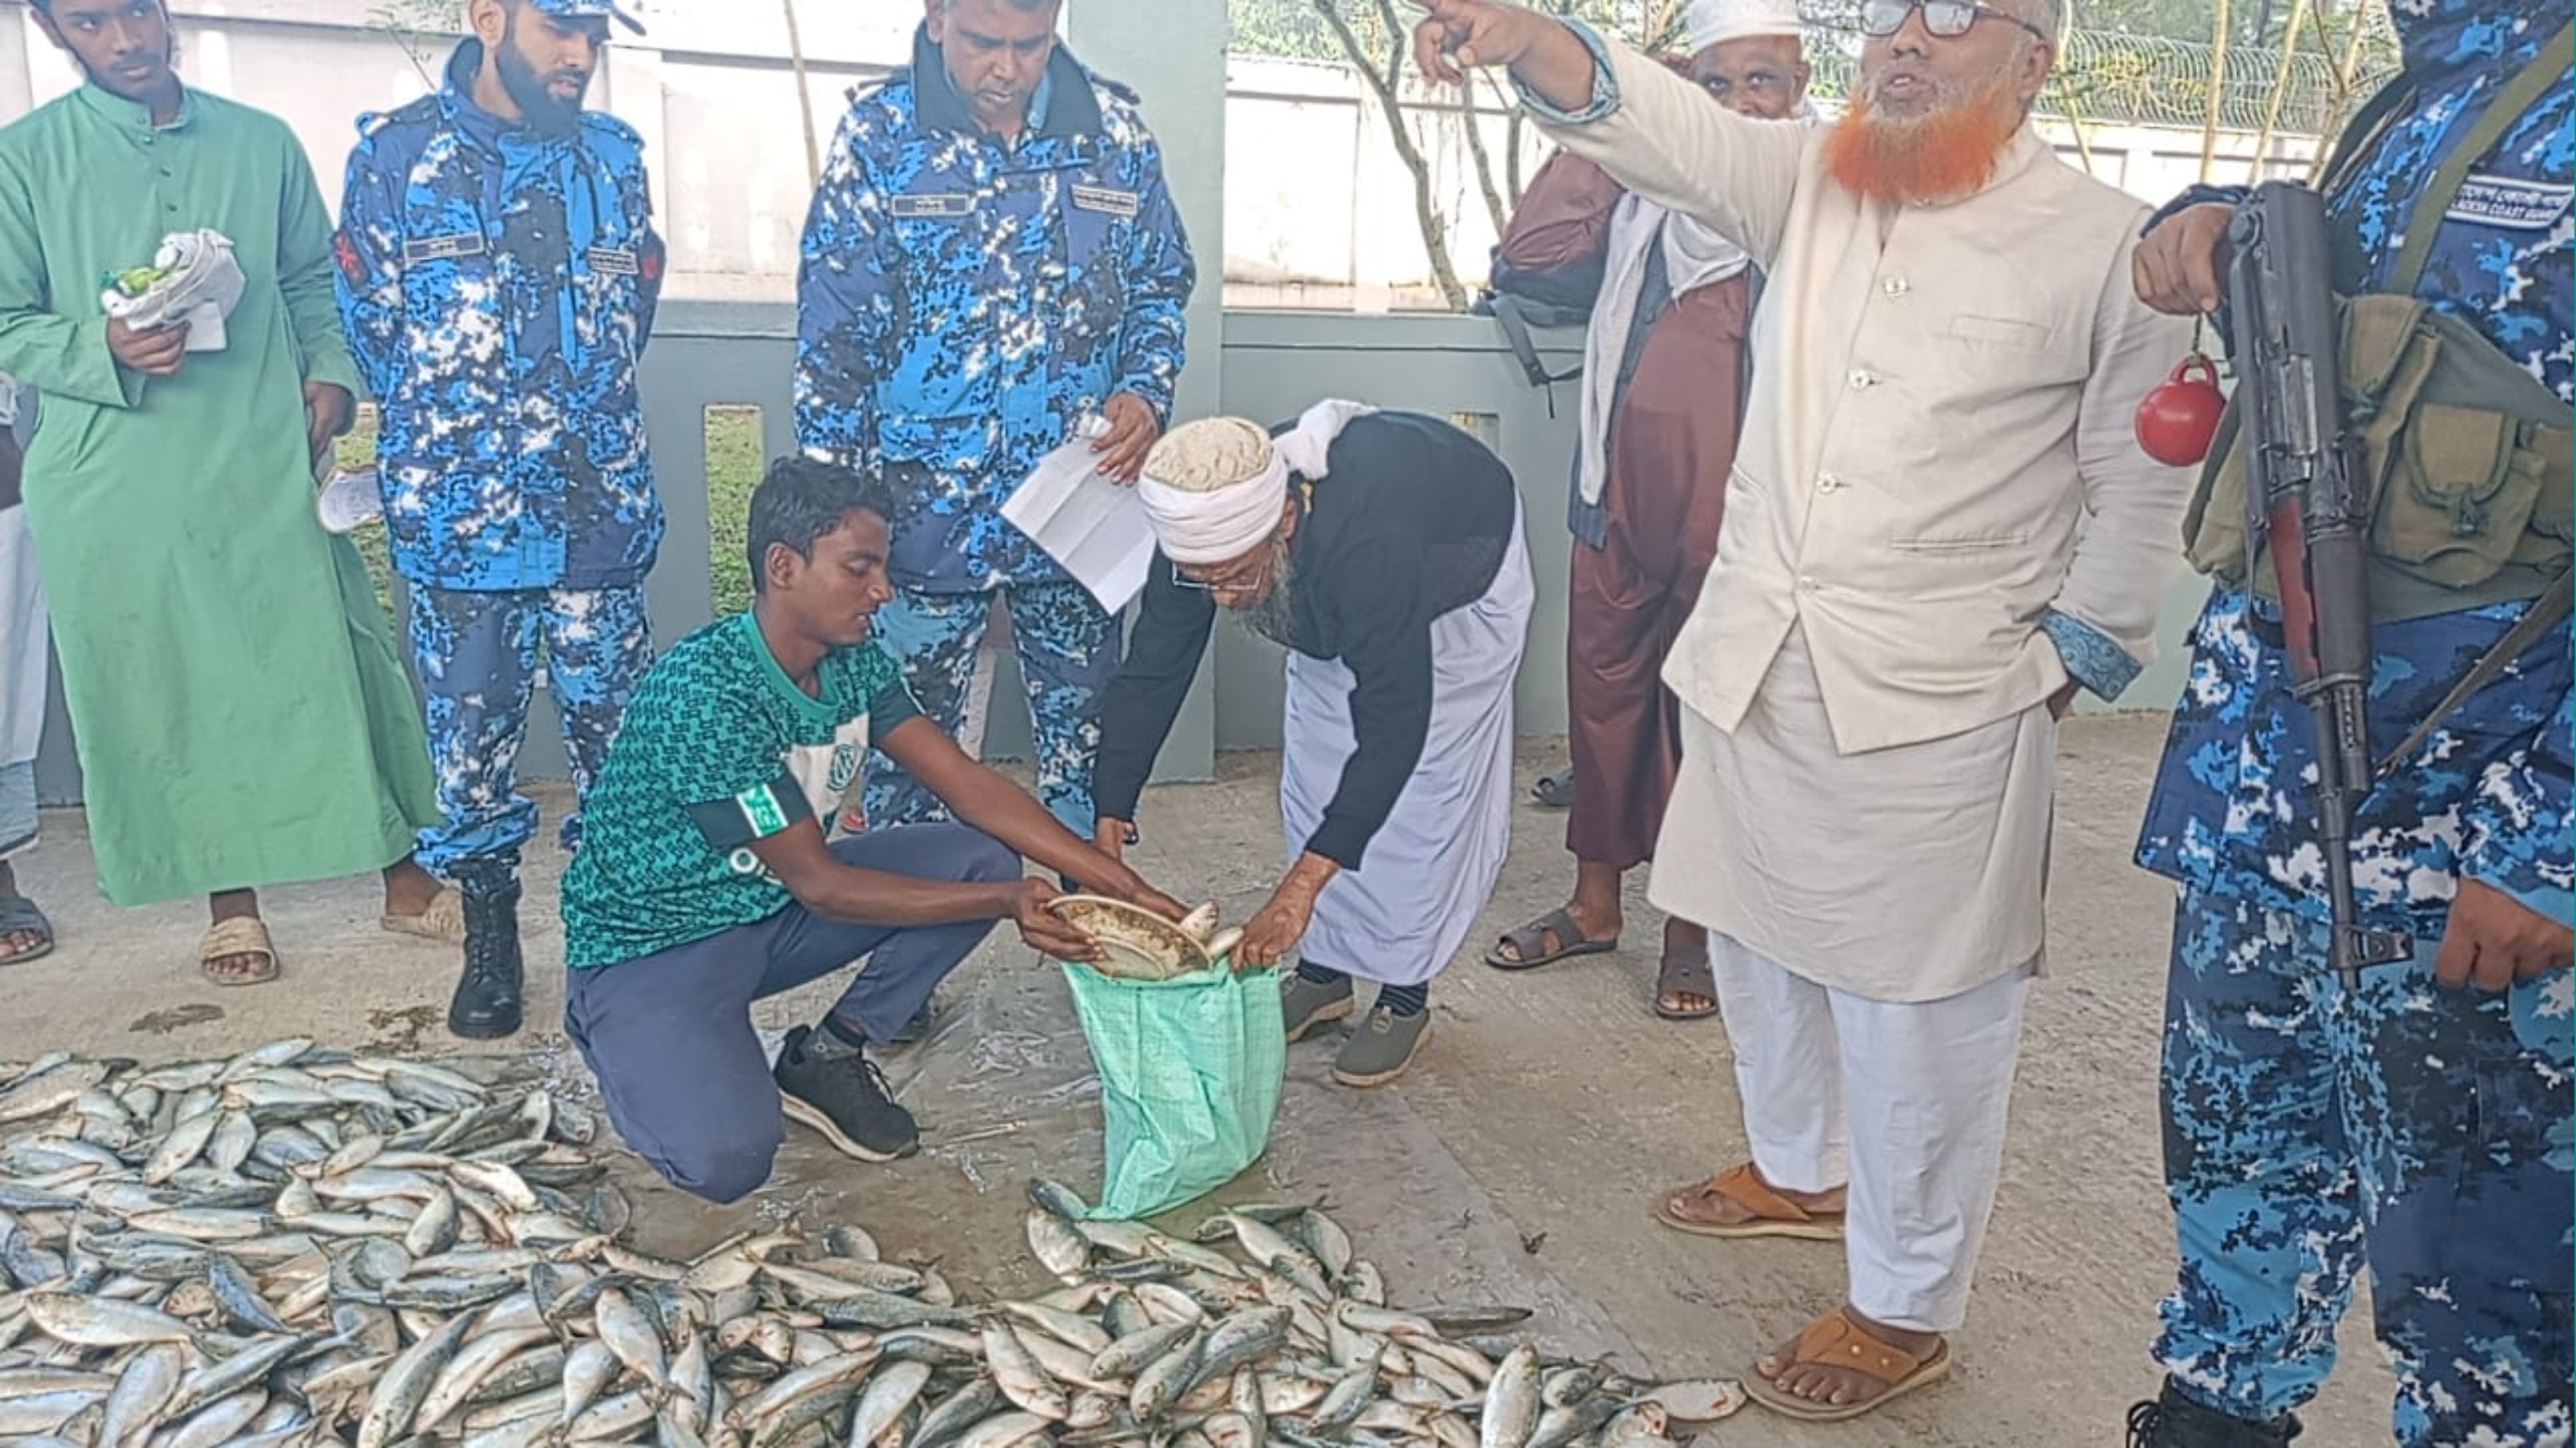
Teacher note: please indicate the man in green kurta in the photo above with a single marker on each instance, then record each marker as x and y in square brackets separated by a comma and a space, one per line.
[242, 715]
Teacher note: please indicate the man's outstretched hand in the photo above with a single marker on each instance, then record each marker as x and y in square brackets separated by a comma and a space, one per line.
[1456, 36]
[2493, 942]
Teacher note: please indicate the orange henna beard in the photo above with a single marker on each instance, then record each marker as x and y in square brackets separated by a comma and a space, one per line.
[1940, 156]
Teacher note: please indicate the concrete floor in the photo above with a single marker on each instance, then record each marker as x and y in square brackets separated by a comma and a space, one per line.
[1515, 1163]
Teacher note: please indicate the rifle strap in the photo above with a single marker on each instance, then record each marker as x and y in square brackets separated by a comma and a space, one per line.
[2543, 615]
[2547, 68]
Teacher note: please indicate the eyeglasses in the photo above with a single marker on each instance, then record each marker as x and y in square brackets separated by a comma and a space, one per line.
[1942, 19]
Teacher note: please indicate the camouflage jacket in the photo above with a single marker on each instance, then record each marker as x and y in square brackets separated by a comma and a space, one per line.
[2487, 797]
[962, 303]
[498, 285]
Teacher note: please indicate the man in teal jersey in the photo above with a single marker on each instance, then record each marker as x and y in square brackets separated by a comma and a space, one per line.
[704, 880]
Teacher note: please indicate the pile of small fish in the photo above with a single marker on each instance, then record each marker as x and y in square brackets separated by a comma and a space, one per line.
[302, 1246]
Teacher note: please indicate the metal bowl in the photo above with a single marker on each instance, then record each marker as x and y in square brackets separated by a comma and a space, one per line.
[1137, 944]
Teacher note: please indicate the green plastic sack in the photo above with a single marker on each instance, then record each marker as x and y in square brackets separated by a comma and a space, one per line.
[1190, 1071]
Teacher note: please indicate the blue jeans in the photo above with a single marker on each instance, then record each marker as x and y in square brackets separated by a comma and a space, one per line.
[670, 1037]
[2310, 1130]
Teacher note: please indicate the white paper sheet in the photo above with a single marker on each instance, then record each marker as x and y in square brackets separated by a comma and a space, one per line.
[1094, 527]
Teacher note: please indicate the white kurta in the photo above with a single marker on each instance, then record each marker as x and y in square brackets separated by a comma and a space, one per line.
[1906, 874]
[1430, 869]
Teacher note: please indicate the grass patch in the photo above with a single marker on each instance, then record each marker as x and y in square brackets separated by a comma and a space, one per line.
[733, 468]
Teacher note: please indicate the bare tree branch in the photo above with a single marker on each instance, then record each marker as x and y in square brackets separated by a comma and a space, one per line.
[1383, 83]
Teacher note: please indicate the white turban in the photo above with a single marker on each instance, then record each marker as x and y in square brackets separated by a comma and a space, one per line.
[1214, 489]
[1713, 22]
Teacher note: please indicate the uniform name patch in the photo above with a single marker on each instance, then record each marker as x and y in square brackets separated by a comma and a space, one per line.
[615, 261]
[443, 248]
[1102, 198]
[2513, 204]
[935, 205]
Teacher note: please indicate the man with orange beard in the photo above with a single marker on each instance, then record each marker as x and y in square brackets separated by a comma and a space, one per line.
[1939, 527]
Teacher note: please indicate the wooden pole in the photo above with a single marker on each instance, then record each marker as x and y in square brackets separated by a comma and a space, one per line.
[2217, 87]
[2280, 87]
[804, 101]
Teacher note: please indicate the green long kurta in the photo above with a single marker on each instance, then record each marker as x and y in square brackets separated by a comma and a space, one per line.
[242, 714]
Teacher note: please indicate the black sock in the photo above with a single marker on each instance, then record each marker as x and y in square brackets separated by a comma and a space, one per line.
[1405, 1000]
[1313, 973]
[835, 1037]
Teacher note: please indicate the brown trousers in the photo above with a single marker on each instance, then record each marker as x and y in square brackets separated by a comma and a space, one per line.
[1672, 443]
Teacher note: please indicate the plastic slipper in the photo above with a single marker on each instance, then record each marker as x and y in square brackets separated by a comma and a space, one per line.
[1834, 1340]
[1773, 1214]
[1554, 791]
[19, 914]
[1529, 943]
[442, 919]
[1687, 973]
[241, 935]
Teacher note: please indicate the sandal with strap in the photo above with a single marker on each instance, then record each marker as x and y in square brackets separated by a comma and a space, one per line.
[19, 916]
[1773, 1214]
[1554, 791]
[1685, 973]
[1529, 944]
[1836, 1341]
[242, 935]
[442, 919]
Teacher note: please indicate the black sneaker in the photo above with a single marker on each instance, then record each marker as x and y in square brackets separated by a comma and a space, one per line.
[845, 1098]
[2174, 1421]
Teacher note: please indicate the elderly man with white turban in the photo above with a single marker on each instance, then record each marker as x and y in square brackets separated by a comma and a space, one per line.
[1384, 550]
[1665, 362]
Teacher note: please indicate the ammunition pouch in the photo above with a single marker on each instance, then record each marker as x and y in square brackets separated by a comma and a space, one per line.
[2463, 461]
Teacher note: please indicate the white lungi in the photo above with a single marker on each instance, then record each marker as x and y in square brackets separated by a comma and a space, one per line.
[1904, 874]
[1430, 869]
[1904, 1102]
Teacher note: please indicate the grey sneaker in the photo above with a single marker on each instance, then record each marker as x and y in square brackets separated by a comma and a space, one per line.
[1381, 1047]
[1305, 1005]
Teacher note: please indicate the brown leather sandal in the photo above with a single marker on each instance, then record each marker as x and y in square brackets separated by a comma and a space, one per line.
[1835, 1340]
[1773, 1214]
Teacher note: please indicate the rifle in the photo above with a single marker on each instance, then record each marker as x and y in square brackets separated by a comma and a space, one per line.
[2302, 501]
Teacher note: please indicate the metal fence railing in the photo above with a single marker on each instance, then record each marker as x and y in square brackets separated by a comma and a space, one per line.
[2103, 76]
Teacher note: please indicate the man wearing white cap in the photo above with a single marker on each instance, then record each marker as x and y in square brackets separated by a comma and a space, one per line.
[1939, 527]
[1383, 549]
[1664, 366]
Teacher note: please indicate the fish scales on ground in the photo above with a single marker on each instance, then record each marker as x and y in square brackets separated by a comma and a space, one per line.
[297, 1247]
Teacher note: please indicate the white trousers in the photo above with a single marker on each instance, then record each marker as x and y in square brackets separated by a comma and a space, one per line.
[25, 653]
[1904, 1102]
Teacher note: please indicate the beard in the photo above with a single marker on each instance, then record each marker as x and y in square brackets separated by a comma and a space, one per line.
[1946, 151]
[545, 111]
[1273, 615]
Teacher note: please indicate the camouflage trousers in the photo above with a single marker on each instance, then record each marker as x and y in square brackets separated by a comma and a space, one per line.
[1068, 651]
[477, 656]
[2310, 1131]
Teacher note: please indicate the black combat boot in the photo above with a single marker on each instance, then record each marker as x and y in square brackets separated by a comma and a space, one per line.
[2174, 1421]
[487, 995]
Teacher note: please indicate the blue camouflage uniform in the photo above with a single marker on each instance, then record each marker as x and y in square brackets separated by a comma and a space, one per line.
[498, 285]
[963, 303]
[2425, 1132]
